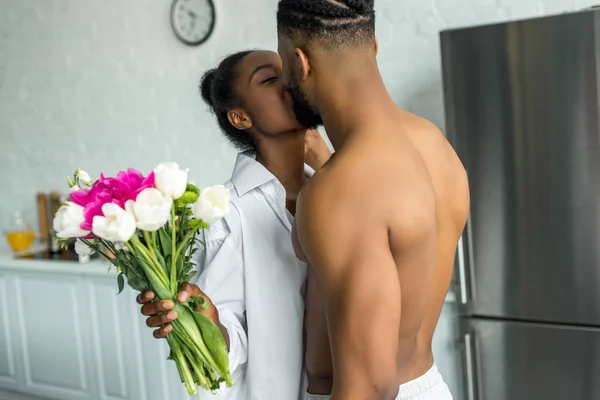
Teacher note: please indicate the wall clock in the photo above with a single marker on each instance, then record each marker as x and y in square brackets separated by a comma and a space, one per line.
[193, 21]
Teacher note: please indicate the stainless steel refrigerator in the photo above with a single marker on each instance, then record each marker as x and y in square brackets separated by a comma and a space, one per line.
[522, 110]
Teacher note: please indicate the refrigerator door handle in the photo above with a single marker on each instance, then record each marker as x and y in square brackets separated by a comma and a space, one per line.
[462, 272]
[470, 367]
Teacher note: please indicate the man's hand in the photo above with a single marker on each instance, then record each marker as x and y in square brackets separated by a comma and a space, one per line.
[160, 313]
[316, 152]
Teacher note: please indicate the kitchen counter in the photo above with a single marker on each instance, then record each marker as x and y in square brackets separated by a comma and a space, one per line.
[65, 334]
[95, 267]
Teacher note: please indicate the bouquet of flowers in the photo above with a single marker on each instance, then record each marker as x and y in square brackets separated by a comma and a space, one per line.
[148, 225]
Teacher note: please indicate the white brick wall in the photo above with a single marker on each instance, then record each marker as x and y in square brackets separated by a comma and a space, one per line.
[105, 84]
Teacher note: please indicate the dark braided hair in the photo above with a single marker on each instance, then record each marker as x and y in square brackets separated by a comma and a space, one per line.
[332, 23]
[217, 89]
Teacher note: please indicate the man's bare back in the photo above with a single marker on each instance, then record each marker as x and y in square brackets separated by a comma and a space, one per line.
[380, 224]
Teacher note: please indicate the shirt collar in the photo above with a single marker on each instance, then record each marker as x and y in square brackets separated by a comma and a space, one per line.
[249, 174]
[308, 171]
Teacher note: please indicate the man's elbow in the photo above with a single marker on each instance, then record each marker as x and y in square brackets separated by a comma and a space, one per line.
[390, 393]
[371, 387]
[386, 390]
[383, 379]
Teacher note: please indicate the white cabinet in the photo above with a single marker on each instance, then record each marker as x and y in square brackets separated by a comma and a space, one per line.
[65, 334]
[8, 374]
[50, 335]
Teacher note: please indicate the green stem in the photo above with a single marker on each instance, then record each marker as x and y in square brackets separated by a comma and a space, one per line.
[158, 283]
[109, 246]
[152, 250]
[97, 250]
[147, 239]
[186, 321]
[184, 242]
[151, 260]
[174, 254]
[182, 366]
[196, 368]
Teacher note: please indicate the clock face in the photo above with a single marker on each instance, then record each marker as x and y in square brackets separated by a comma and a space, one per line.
[193, 20]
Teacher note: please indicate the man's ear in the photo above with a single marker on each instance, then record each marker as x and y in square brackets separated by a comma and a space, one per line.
[303, 64]
[376, 45]
[239, 119]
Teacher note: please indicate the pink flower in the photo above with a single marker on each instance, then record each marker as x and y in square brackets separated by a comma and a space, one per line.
[127, 185]
[118, 190]
[92, 201]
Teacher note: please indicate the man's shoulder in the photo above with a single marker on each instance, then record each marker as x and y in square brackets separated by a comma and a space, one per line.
[369, 189]
[321, 188]
[330, 196]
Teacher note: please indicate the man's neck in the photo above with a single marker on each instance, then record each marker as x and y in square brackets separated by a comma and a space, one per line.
[351, 99]
[283, 156]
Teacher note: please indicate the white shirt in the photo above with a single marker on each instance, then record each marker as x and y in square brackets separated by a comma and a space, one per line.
[250, 271]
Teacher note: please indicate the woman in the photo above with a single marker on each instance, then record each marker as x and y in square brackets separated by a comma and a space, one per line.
[248, 270]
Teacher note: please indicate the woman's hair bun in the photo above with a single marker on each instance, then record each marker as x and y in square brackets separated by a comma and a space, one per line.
[206, 86]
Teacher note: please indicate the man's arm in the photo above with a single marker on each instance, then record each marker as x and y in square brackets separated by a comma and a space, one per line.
[350, 254]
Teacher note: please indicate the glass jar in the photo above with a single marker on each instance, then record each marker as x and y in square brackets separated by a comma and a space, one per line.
[19, 234]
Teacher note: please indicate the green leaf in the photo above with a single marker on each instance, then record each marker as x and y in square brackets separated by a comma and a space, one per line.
[199, 302]
[132, 270]
[216, 345]
[138, 283]
[162, 261]
[120, 282]
[196, 240]
[185, 270]
[189, 276]
[179, 266]
[165, 242]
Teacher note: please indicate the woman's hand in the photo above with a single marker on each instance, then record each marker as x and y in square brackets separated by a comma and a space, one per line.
[316, 152]
[160, 313]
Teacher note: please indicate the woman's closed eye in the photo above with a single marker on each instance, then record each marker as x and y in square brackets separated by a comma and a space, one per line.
[269, 79]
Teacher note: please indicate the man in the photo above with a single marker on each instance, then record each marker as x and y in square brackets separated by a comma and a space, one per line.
[380, 222]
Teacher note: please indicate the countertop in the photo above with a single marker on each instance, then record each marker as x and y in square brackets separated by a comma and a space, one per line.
[95, 267]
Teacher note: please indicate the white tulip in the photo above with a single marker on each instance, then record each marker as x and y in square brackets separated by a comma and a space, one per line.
[67, 221]
[117, 225]
[151, 209]
[170, 179]
[84, 178]
[212, 204]
[83, 249]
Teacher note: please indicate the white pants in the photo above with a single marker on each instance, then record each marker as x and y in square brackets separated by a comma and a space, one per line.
[430, 386]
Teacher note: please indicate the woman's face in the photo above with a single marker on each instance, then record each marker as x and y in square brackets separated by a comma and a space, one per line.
[263, 94]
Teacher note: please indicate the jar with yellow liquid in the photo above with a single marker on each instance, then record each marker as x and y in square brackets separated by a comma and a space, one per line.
[19, 234]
